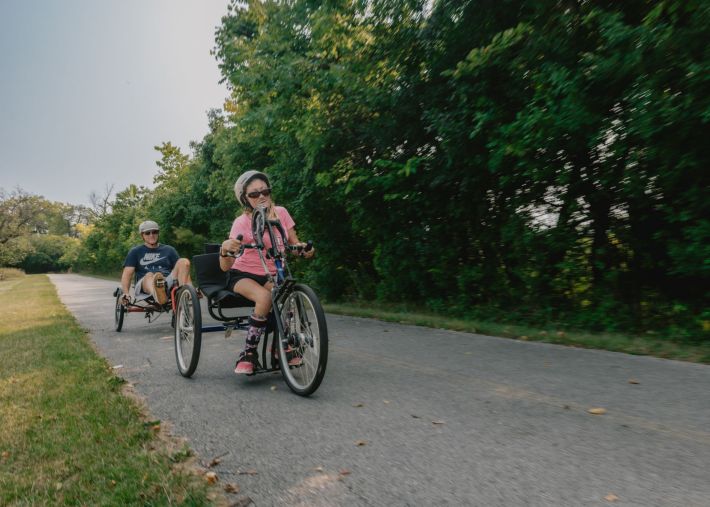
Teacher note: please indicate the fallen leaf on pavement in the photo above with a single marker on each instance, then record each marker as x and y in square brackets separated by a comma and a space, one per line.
[633, 381]
[273, 388]
[318, 469]
[251, 471]
[385, 401]
[611, 497]
[211, 477]
[416, 416]
[597, 411]
[438, 422]
[231, 488]
[360, 443]
[214, 463]
[358, 405]
[344, 471]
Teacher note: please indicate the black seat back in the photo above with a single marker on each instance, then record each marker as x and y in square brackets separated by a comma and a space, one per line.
[212, 281]
[212, 247]
[208, 272]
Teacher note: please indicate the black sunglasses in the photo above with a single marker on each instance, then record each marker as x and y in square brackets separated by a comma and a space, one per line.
[150, 233]
[253, 195]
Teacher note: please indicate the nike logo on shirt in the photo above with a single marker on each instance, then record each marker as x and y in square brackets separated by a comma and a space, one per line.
[150, 259]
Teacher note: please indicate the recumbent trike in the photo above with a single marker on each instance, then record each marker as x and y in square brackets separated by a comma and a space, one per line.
[148, 306]
[296, 326]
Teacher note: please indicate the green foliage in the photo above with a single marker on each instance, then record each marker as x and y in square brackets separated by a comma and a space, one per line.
[49, 253]
[533, 161]
[38, 235]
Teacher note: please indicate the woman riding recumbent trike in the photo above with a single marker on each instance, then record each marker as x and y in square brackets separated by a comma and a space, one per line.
[295, 337]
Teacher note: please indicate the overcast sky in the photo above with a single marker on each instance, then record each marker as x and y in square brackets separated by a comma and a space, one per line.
[89, 87]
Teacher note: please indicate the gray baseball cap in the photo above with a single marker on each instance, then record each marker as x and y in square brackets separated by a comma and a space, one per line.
[148, 225]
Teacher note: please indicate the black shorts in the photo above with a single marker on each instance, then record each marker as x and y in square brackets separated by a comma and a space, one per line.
[234, 275]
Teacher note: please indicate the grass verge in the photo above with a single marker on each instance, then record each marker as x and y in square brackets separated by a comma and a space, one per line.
[10, 274]
[69, 435]
[640, 345]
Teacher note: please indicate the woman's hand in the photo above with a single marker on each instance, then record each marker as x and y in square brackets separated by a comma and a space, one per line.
[230, 246]
[306, 253]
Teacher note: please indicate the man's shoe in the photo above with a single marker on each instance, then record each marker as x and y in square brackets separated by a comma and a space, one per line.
[159, 292]
[247, 362]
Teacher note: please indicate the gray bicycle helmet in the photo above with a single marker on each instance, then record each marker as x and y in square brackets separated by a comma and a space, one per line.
[148, 225]
[243, 181]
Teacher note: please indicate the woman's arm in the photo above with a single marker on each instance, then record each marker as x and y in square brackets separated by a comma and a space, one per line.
[228, 246]
[293, 240]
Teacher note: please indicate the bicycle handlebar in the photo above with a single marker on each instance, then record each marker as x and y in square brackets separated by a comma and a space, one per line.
[307, 248]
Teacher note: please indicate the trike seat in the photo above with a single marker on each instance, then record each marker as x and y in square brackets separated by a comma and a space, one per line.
[213, 283]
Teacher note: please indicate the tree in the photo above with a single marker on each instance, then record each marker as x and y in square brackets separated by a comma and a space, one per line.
[20, 213]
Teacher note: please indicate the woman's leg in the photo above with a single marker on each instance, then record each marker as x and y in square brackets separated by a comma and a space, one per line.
[261, 296]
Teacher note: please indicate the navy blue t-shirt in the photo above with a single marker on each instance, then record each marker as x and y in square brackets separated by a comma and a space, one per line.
[151, 260]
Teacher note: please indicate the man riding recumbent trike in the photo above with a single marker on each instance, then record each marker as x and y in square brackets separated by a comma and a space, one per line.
[157, 271]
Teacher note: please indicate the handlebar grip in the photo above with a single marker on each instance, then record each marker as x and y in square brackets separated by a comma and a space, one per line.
[240, 237]
[309, 246]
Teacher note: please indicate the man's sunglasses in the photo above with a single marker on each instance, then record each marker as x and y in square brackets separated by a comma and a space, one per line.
[253, 195]
[150, 233]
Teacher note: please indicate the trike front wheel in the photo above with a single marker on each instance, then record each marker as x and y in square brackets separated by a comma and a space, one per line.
[120, 311]
[188, 330]
[303, 340]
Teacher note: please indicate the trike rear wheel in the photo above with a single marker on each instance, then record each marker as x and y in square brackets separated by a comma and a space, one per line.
[188, 330]
[304, 338]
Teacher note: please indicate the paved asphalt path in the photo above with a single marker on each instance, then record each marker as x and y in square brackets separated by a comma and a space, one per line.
[446, 418]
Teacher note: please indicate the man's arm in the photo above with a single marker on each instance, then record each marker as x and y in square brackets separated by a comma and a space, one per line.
[126, 279]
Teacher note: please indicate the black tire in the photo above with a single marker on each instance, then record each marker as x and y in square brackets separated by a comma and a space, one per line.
[303, 333]
[120, 311]
[188, 330]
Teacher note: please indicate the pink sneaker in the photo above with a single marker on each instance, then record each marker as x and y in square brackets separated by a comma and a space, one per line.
[246, 362]
[293, 359]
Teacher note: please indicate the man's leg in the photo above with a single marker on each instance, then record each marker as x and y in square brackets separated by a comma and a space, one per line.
[147, 283]
[181, 272]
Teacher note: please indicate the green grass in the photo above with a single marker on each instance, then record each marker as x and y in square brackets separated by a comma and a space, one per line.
[69, 435]
[650, 345]
[10, 274]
